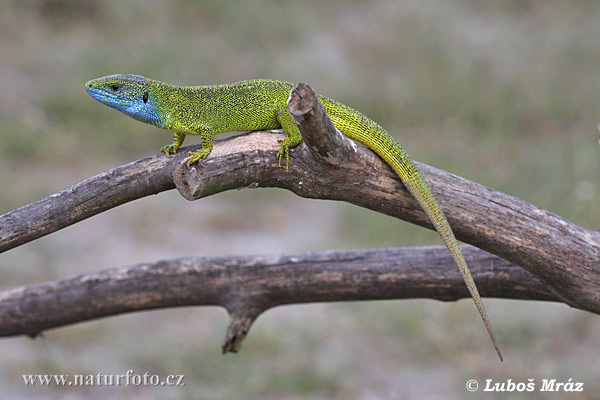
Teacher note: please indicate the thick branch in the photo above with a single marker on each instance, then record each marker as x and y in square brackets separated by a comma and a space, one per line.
[564, 255]
[247, 286]
[102, 192]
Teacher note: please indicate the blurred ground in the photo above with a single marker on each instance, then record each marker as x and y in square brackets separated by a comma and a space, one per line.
[505, 94]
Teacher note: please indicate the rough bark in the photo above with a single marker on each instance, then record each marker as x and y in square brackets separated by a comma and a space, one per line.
[247, 286]
[328, 166]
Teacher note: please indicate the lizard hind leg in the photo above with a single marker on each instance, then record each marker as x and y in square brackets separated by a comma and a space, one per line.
[293, 138]
[207, 136]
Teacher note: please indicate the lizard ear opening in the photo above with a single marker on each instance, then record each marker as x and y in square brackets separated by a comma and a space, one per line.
[145, 97]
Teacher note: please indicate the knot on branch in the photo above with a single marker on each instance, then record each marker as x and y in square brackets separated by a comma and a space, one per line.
[322, 138]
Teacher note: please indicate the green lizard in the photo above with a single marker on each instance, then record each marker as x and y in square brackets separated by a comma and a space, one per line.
[262, 104]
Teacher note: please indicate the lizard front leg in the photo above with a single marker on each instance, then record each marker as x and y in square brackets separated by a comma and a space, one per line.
[178, 138]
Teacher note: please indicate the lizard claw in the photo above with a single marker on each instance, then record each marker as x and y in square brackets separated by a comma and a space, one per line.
[169, 149]
[197, 156]
[284, 151]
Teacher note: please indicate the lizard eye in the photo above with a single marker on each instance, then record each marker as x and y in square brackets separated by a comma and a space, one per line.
[145, 97]
[115, 87]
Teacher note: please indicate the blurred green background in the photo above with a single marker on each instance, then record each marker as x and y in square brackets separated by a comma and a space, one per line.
[503, 93]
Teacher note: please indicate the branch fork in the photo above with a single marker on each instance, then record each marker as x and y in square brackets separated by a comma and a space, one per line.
[561, 259]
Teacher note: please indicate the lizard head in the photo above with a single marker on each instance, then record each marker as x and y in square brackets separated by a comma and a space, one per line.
[133, 95]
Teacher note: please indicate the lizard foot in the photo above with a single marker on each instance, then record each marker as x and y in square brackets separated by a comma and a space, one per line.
[197, 155]
[284, 152]
[170, 149]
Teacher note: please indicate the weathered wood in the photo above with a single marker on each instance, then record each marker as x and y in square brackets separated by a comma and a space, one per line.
[564, 255]
[247, 286]
[102, 192]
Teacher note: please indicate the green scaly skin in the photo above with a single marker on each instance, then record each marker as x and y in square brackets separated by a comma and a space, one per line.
[262, 104]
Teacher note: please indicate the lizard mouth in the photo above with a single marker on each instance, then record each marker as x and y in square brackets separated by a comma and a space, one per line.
[104, 96]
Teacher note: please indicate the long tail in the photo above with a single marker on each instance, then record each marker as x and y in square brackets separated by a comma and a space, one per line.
[420, 190]
[358, 127]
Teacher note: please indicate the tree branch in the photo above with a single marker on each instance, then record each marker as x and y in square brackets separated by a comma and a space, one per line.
[102, 192]
[247, 286]
[564, 255]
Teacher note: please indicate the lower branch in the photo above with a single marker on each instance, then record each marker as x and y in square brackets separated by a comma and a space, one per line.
[247, 286]
[564, 255]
